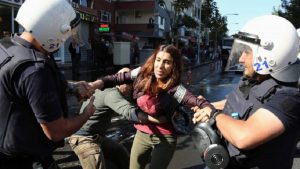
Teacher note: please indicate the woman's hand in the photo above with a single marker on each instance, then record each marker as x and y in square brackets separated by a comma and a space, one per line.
[201, 115]
[97, 84]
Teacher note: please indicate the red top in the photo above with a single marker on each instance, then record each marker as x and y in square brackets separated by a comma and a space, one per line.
[151, 105]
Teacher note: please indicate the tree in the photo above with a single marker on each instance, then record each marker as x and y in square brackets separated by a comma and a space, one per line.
[290, 9]
[189, 22]
[212, 19]
[180, 20]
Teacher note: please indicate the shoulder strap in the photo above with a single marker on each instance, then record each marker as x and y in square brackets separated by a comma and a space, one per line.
[180, 92]
[265, 90]
[3, 59]
[134, 73]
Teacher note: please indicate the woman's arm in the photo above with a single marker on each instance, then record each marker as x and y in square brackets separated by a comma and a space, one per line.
[115, 101]
[185, 97]
[112, 80]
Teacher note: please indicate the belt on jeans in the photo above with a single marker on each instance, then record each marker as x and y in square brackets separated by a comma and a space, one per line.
[158, 135]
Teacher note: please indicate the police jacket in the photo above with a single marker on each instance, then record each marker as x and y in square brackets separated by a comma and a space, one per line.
[281, 100]
[20, 132]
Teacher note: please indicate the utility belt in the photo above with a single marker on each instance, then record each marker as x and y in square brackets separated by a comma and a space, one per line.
[27, 162]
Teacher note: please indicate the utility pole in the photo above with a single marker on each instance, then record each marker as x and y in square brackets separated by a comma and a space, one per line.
[199, 39]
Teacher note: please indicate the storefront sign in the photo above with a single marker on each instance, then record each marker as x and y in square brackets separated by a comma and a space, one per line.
[88, 17]
[83, 15]
[16, 2]
[104, 28]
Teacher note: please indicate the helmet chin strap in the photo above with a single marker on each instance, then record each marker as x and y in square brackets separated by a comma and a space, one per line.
[257, 77]
[254, 76]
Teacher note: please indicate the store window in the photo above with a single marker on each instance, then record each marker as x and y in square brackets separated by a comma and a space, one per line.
[105, 16]
[7, 23]
[17, 27]
[5, 20]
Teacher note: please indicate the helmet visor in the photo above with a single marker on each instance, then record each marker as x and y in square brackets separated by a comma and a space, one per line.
[243, 43]
[237, 50]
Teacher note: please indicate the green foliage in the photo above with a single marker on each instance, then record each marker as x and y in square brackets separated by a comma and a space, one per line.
[290, 9]
[180, 5]
[212, 19]
[189, 22]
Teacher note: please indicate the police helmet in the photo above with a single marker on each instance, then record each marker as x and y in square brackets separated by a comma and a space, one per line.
[274, 43]
[51, 22]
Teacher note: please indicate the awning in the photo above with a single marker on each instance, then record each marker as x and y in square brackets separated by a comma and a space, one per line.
[129, 36]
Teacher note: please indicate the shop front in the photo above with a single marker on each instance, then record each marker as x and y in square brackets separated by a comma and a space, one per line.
[89, 19]
[8, 12]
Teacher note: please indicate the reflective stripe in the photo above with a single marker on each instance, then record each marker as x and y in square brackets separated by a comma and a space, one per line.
[180, 92]
[134, 73]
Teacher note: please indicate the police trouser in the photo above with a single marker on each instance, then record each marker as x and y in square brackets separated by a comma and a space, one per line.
[152, 149]
[27, 162]
[96, 152]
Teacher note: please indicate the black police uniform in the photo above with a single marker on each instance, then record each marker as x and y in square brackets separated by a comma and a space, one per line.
[32, 91]
[284, 102]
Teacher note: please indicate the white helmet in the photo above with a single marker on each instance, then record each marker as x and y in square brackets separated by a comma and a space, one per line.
[298, 31]
[51, 22]
[273, 41]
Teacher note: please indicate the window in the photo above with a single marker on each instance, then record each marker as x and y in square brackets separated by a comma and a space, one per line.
[105, 16]
[83, 3]
[161, 21]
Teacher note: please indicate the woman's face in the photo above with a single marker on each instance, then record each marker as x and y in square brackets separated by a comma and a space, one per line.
[163, 65]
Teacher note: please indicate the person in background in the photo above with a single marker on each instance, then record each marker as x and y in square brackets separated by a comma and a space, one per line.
[6, 34]
[260, 118]
[136, 53]
[33, 115]
[101, 51]
[224, 58]
[75, 51]
[157, 91]
[90, 143]
[146, 46]
[110, 52]
[90, 53]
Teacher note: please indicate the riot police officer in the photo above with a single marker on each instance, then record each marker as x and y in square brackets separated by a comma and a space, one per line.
[33, 103]
[260, 118]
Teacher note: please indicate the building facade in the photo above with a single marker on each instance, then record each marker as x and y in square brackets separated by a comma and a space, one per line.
[89, 20]
[144, 21]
